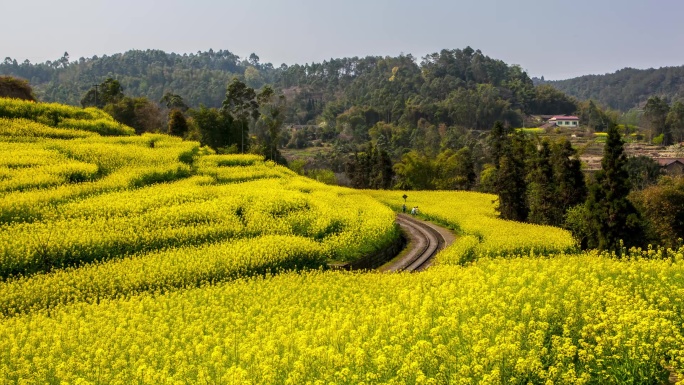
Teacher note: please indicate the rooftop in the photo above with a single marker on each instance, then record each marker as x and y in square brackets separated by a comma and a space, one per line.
[668, 161]
[564, 117]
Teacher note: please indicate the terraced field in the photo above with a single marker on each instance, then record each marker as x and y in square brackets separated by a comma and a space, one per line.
[147, 259]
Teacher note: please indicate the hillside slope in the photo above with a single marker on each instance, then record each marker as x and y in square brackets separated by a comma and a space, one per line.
[626, 88]
[455, 87]
[95, 208]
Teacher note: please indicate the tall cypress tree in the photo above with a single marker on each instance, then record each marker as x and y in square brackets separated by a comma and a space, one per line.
[498, 140]
[610, 216]
[571, 187]
[385, 172]
[510, 185]
[541, 191]
[178, 125]
[370, 169]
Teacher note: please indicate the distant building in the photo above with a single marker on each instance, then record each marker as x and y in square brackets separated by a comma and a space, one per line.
[565, 121]
[672, 166]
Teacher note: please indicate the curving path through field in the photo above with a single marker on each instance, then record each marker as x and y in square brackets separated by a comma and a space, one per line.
[425, 241]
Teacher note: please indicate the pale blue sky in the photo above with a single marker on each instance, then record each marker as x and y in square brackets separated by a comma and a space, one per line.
[557, 39]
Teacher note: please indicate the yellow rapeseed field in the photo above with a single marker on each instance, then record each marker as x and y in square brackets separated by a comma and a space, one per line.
[472, 215]
[146, 259]
[567, 319]
[83, 199]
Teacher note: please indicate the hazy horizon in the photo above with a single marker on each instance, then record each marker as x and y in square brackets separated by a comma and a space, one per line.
[551, 40]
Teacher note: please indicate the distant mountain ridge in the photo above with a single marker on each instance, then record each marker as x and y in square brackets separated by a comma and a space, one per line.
[626, 88]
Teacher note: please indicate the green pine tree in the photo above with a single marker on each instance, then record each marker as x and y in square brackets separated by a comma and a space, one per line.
[178, 125]
[541, 194]
[612, 218]
[570, 185]
[511, 185]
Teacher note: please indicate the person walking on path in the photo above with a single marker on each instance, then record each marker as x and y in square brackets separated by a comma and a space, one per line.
[403, 208]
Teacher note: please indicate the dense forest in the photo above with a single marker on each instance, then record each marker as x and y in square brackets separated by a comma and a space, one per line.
[625, 89]
[453, 87]
[201, 77]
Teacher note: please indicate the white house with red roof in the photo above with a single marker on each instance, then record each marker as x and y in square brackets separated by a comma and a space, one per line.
[565, 121]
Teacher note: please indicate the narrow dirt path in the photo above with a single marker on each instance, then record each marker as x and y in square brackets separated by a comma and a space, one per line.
[425, 241]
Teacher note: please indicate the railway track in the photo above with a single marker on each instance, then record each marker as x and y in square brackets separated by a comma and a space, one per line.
[426, 240]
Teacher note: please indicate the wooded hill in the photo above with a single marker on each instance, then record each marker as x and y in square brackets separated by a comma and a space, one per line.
[453, 87]
[627, 88]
